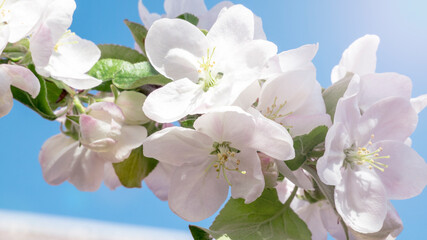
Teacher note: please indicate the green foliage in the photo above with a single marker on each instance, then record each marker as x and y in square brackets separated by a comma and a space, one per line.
[199, 233]
[126, 75]
[265, 218]
[332, 94]
[189, 18]
[139, 33]
[46, 102]
[135, 168]
[304, 146]
[121, 52]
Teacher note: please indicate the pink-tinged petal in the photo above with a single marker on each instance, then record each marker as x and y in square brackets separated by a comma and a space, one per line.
[110, 177]
[4, 36]
[286, 93]
[23, 79]
[391, 85]
[311, 216]
[304, 124]
[76, 80]
[233, 26]
[331, 221]
[131, 104]
[249, 185]
[297, 177]
[23, 16]
[160, 40]
[348, 113]
[95, 134]
[106, 111]
[173, 101]
[361, 56]
[130, 138]
[88, 170]
[284, 190]
[329, 166]
[196, 193]
[74, 54]
[270, 138]
[419, 103]
[406, 174]
[41, 47]
[299, 58]
[361, 200]
[389, 119]
[391, 229]
[147, 18]
[248, 96]
[6, 97]
[159, 180]
[175, 8]
[57, 158]
[189, 145]
[207, 20]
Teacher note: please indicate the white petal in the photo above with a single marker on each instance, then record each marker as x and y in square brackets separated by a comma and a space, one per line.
[6, 97]
[57, 158]
[41, 47]
[419, 103]
[207, 20]
[311, 216]
[23, 79]
[348, 113]
[95, 134]
[389, 119]
[299, 58]
[191, 146]
[24, 14]
[249, 185]
[147, 18]
[300, 125]
[391, 85]
[159, 180]
[329, 166]
[175, 8]
[406, 174]
[361, 56]
[195, 193]
[258, 31]
[161, 39]
[76, 80]
[131, 104]
[331, 221]
[361, 200]
[4, 36]
[173, 101]
[234, 26]
[88, 170]
[130, 138]
[110, 177]
[248, 96]
[179, 63]
[297, 177]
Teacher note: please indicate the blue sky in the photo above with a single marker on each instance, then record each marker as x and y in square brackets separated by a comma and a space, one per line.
[289, 24]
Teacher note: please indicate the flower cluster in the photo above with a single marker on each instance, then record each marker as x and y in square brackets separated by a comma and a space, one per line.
[206, 105]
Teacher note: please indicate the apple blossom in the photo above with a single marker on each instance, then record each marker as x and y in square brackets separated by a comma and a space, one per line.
[367, 161]
[104, 139]
[219, 153]
[175, 8]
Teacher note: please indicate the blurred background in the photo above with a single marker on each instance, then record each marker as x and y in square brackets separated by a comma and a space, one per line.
[289, 24]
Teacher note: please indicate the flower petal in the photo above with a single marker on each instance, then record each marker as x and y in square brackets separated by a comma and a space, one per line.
[299, 58]
[76, 80]
[361, 200]
[111, 180]
[23, 79]
[4, 36]
[173, 101]
[147, 18]
[207, 20]
[175, 8]
[57, 158]
[24, 15]
[6, 97]
[406, 174]
[191, 146]
[311, 216]
[160, 40]
[88, 170]
[195, 193]
[297, 177]
[159, 180]
[249, 185]
[348, 113]
[130, 138]
[131, 103]
[419, 103]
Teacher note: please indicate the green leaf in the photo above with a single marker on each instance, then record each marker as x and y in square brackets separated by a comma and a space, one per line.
[265, 218]
[333, 93]
[199, 233]
[45, 102]
[189, 18]
[139, 33]
[121, 52]
[126, 75]
[304, 146]
[135, 168]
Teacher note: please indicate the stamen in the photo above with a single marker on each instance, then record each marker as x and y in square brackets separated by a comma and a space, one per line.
[60, 43]
[363, 155]
[206, 79]
[273, 111]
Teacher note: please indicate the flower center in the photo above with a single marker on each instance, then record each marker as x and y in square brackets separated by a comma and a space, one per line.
[207, 77]
[4, 13]
[273, 112]
[226, 159]
[363, 156]
[63, 40]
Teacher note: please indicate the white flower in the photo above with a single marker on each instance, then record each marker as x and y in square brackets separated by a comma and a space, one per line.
[367, 161]
[219, 153]
[19, 77]
[208, 71]
[104, 139]
[174, 8]
[60, 54]
[131, 104]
